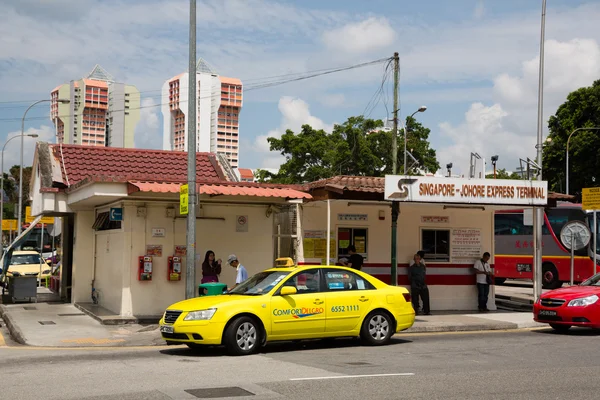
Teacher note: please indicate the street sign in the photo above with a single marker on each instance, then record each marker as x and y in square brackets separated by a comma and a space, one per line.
[116, 214]
[9, 225]
[590, 198]
[29, 218]
[183, 199]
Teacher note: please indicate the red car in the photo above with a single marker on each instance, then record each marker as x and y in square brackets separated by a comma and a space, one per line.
[570, 306]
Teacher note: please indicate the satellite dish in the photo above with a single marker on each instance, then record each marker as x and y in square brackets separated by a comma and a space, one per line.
[577, 233]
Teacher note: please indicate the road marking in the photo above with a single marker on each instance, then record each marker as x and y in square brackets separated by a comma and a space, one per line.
[315, 378]
[519, 330]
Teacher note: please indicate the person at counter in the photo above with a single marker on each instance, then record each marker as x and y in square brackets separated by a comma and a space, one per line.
[211, 269]
[417, 273]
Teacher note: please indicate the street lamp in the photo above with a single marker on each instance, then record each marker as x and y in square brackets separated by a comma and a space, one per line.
[421, 109]
[494, 161]
[449, 168]
[62, 101]
[568, 140]
[33, 135]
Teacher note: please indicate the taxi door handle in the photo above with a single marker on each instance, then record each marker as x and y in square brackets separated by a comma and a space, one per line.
[318, 301]
[363, 299]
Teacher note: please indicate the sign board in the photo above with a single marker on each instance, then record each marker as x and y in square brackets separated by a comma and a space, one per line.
[158, 232]
[180, 251]
[428, 189]
[154, 250]
[29, 218]
[426, 219]
[465, 245]
[590, 198]
[183, 199]
[241, 223]
[9, 225]
[353, 217]
[116, 214]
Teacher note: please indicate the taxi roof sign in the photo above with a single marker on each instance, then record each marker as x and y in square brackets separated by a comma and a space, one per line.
[284, 262]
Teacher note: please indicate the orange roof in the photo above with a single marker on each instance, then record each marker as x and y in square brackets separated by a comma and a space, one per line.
[230, 189]
[246, 173]
[231, 81]
[95, 83]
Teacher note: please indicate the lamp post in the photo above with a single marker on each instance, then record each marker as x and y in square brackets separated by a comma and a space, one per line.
[449, 168]
[421, 109]
[33, 135]
[63, 101]
[568, 141]
[494, 161]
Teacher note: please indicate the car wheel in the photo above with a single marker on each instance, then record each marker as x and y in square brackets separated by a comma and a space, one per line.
[499, 281]
[242, 337]
[377, 329]
[550, 277]
[560, 328]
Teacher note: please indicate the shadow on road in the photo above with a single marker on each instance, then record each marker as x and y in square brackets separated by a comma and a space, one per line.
[278, 347]
[574, 331]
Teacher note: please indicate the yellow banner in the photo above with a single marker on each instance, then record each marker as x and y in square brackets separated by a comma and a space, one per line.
[29, 218]
[9, 225]
[183, 199]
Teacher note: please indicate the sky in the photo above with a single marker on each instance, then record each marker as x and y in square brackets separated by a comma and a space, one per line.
[473, 63]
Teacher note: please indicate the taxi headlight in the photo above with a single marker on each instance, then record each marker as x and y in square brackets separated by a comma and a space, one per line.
[200, 315]
[584, 301]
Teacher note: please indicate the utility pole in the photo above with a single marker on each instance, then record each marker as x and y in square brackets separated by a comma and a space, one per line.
[190, 270]
[395, 204]
[537, 216]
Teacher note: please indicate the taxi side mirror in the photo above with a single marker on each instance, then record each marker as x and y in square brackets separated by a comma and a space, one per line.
[288, 290]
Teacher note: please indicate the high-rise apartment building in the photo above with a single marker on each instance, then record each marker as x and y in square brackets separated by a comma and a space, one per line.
[218, 106]
[101, 112]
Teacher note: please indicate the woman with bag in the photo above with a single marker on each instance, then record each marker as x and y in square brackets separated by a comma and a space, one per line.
[211, 269]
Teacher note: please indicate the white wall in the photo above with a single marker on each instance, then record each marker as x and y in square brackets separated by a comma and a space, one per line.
[83, 257]
[455, 296]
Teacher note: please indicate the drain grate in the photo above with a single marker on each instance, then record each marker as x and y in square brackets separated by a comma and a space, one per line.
[358, 363]
[30, 308]
[215, 393]
[47, 322]
[71, 315]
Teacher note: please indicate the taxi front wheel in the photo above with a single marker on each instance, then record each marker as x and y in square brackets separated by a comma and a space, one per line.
[377, 329]
[242, 336]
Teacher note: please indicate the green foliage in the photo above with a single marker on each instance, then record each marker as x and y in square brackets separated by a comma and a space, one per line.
[11, 182]
[581, 110]
[356, 147]
[502, 174]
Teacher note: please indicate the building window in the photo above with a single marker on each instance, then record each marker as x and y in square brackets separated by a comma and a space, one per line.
[436, 244]
[103, 223]
[348, 236]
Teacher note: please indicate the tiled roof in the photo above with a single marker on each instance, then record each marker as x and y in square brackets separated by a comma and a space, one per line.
[224, 189]
[123, 165]
[367, 184]
[246, 173]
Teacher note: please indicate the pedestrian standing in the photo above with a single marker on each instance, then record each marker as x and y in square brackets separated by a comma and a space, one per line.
[241, 273]
[484, 280]
[417, 273]
[211, 268]
[355, 260]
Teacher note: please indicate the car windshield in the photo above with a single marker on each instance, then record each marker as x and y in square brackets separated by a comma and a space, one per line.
[593, 281]
[260, 283]
[19, 259]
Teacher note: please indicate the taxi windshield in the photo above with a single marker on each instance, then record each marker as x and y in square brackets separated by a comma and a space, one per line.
[260, 283]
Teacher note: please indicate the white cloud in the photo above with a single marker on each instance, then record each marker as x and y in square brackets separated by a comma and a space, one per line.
[295, 112]
[369, 35]
[12, 152]
[333, 100]
[148, 130]
[509, 126]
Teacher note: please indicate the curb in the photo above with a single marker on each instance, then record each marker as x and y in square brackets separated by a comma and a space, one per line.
[13, 329]
[119, 320]
[462, 328]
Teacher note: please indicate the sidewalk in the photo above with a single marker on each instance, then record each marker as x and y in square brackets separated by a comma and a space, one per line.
[64, 325]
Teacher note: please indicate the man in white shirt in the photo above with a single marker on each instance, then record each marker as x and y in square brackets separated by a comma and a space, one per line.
[483, 272]
[241, 274]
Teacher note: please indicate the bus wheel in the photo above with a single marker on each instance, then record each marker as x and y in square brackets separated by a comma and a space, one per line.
[550, 277]
[499, 281]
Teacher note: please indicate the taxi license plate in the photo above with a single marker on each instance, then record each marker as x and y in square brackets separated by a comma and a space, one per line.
[546, 313]
[166, 329]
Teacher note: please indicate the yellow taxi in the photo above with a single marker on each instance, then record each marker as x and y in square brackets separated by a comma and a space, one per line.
[288, 302]
[28, 263]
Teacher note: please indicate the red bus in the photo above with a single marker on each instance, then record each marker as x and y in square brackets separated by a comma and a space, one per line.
[514, 247]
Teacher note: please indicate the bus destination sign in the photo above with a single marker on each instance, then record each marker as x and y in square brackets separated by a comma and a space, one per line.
[427, 189]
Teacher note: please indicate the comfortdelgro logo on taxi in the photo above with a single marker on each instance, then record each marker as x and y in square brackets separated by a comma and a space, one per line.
[299, 312]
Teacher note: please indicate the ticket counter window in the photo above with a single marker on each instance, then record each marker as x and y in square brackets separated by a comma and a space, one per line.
[436, 244]
[356, 236]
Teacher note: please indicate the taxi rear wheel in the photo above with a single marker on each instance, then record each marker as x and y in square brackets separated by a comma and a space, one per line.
[377, 329]
[242, 337]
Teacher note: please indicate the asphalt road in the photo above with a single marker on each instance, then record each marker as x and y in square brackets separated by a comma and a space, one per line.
[489, 365]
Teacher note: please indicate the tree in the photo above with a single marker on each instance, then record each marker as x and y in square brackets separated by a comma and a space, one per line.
[359, 147]
[502, 174]
[581, 110]
[11, 189]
